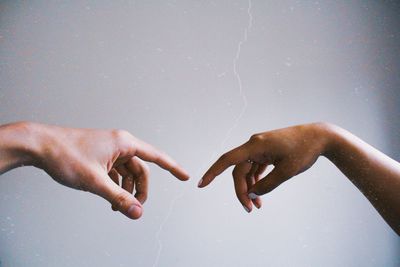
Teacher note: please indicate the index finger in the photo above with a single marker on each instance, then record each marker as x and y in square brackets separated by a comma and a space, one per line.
[233, 157]
[149, 153]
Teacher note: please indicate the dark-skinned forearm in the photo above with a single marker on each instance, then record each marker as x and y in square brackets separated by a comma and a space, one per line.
[375, 174]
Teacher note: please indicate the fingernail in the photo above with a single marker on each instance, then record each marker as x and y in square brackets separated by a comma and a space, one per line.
[200, 182]
[246, 209]
[253, 196]
[134, 212]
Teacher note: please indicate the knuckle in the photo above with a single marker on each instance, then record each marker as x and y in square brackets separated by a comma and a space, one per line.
[121, 135]
[122, 139]
[256, 138]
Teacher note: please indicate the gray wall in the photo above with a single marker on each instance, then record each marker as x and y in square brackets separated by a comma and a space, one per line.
[164, 70]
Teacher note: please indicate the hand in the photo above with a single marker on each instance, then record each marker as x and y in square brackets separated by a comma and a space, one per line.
[92, 160]
[290, 150]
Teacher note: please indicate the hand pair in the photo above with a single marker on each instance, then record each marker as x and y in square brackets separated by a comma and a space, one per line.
[94, 161]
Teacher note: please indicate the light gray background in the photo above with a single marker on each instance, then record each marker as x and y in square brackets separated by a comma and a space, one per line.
[164, 71]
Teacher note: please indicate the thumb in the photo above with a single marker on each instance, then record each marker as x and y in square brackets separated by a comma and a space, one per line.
[271, 181]
[119, 198]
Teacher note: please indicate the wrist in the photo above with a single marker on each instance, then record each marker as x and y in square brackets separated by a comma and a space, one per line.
[331, 135]
[17, 147]
[41, 143]
[26, 143]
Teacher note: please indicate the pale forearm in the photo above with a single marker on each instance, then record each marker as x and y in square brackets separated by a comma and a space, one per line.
[19, 145]
[375, 174]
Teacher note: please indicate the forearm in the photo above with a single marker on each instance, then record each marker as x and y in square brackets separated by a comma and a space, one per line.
[19, 145]
[375, 174]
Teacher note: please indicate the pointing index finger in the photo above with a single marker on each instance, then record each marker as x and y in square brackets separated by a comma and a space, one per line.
[233, 157]
[149, 153]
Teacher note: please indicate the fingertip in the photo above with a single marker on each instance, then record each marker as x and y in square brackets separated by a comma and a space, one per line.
[127, 204]
[247, 205]
[185, 177]
[247, 209]
[257, 202]
[200, 183]
[181, 174]
[204, 181]
[185, 174]
[134, 212]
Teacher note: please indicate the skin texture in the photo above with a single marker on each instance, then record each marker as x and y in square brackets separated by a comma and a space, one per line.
[87, 159]
[295, 149]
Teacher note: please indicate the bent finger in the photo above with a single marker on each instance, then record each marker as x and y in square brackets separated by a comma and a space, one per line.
[128, 183]
[251, 179]
[272, 180]
[141, 172]
[239, 177]
[115, 177]
[261, 169]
